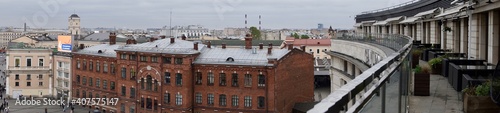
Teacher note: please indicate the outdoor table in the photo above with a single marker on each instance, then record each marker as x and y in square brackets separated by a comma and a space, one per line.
[457, 71]
[459, 61]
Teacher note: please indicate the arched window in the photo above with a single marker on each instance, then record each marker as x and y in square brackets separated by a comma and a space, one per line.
[149, 82]
[142, 83]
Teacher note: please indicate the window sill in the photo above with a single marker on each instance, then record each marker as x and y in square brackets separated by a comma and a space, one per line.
[261, 107]
[210, 84]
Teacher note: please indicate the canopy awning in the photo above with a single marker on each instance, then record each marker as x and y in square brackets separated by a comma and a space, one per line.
[380, 23]
[394, 19]
[453, 10]
[368, 23]
[410, 20]
[357, 25]
[427, 12]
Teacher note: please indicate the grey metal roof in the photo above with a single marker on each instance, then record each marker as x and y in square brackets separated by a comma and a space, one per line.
[164, 46]
[104, 37]
[240, 56]
[242, 42]
[107, 50]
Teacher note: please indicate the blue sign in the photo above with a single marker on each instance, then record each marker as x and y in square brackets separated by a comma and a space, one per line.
[66, 47]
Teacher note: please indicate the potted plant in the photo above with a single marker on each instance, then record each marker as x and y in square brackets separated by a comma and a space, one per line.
[416, 53]
[421, 80]
[447, 29]
[477, 99]
[436, 65]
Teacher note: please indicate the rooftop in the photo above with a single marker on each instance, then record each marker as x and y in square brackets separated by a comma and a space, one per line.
[310, 42]
[164, 46]
[104, 50]
[20, 45]
[242, 42]
[240, 56]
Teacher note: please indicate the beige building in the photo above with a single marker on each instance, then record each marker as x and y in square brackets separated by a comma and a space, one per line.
[317, 46]
[28, 71]
[62, 74]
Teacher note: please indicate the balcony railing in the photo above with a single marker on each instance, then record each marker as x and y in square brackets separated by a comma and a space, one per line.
[369, 90]
[29, 67]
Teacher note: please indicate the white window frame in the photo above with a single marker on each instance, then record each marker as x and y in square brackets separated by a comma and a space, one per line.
[41, 62]
[20, 61]
[31, 64]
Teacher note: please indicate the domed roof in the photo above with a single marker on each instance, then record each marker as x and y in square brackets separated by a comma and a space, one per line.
[74, 16]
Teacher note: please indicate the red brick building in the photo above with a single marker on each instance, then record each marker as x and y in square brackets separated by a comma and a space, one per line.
[171, 75]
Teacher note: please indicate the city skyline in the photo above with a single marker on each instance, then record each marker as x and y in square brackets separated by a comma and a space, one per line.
[213, 14]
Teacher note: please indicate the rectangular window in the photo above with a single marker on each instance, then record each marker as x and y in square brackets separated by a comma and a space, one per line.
[155, 104]
[178, 79]
[112, 86]
[222, 79]
[40, 77]
[261, 102]
[167, 60]
[166, 98]
[40, 62]
[132, 74]
[105, 84]
[90, 81]
[124, 73]
[40, 83]
[132, 57]
[178, 99]
[132, 109]
[28, 62]
[122, 108]
[84, 65]
[17, 76]
[143, 59]
[60, 64]
[154, 59]
[345, 66]
[112, 68]
[167, 78]
[78, 64]
[210, 78]
[84, 80]
[66, 75]
[97, 67]
[123, 56]
[234, 80]
[91, 66]
[66, 84]
[97, 83]
[132, 92]
[18, 62]
[17, 83]
[28, 77]
[248, 80]
[198, 98]
[124, 90]
[28, 83]
[142, 102]
[222, 100]
[248, 101]
[234, 100]
[105, 67]
[198, 78]
[178, 60]
[210, 99]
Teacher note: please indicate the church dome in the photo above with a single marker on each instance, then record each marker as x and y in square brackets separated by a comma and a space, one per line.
[74, 16]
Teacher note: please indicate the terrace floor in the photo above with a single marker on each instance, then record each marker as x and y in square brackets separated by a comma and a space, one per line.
[443, 98]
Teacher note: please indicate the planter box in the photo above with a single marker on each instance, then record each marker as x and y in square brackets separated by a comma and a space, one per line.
[414, 61]
[437, 69]
[422, 84]
[479, 104]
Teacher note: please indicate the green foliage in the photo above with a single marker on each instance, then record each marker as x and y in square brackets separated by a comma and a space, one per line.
[479, 90]
[304, 37]
[422, 70]
[296, 35]
[435, 62]
[417, 52]
[255, 33]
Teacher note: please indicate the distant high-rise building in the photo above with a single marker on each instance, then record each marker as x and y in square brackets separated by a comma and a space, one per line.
[74, 25]
[320, 26]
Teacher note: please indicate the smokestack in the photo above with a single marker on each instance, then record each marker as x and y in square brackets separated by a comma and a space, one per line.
[290, 46]
[196, 46]
[246, 21]
[209, 44]
[223, 45]
[82, 46]
[260, 22]
[248, 41]
[172, 40]
[303, 47]
[24, 27]
[261, 45]
[184, 37]
[112, 38]
[269, 50]
[163, 36]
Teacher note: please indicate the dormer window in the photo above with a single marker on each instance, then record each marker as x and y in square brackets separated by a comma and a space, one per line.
[99, 51]
[230, 59]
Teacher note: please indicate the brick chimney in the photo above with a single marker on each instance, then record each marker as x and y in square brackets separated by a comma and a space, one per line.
[195, 46]
[248, 41]
[269, 49]
[134, 41]
[271, 45]
[303, 48]
[82, 46]
[261, 45]
[183, 37]
[223, 45]
[172, 40]
[112, 38]
[290, 46]
[163, 36]
[209, 44]
[152, 39]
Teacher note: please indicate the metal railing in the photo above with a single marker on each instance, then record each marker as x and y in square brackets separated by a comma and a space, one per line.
[389, 8]
[28, 67]
[368, 91]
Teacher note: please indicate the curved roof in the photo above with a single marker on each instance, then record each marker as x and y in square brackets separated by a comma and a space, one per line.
[408, 10]
[74, 16]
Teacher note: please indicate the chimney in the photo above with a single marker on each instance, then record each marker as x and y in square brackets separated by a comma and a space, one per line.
[163, 36]
[223, 45]
[269, 50]
[82, 46]
[196, 46]
[303, 48]
[172, 40]
[290, 46]
[261, 45]
[209, 44]
[134, 41]
[183, 37]
[152, 39]
[112, 38]
[270, 45]
[248, 41]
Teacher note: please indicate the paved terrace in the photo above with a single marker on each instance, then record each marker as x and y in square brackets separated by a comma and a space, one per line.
[443, 98]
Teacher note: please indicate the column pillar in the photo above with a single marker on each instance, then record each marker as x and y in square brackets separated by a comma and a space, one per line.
[493, 29]
[50, 85]
[464, 23]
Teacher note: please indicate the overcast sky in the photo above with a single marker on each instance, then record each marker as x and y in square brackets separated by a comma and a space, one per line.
[213, 14]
